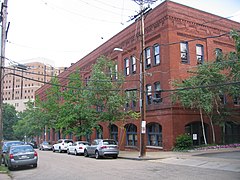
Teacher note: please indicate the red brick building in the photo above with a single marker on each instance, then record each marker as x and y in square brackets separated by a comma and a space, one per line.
[177, 39]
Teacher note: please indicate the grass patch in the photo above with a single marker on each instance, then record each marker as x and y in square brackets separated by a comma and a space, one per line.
[3, 169]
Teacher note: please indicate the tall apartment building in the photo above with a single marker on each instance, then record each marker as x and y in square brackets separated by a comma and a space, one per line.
[177, 39]
[19, 85]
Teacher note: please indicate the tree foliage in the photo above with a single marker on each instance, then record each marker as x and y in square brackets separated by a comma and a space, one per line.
[203, 90]
[77, 108]
[30, 122]
[75, 114]
[9, 120]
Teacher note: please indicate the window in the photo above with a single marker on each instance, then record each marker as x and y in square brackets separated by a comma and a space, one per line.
[157, 93]
[128, 99]
[114, 132]
[154, 134]
[218, 54]
[149, 94]
[131, 96]
[223, 99]
[156, 50]
[116, 72]
[199, 54]
[133, 63]
[236, 100]
[131, 132]
[99, 132]
[147, 57]
[184, 52]
[126, 61]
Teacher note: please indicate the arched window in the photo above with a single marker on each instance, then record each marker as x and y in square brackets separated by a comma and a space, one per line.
[114, 132]
[154, 134]
[131, 134]
[99, 132]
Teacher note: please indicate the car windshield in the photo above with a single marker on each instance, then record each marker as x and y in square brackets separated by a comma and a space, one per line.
[109, 142]
[17, 149]
[46, 143]
[68, 141]
[85, 143]
[8, 144]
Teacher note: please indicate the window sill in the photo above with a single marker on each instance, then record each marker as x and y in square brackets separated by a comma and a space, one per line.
[131, 147]
[154, 147]
[156, 65]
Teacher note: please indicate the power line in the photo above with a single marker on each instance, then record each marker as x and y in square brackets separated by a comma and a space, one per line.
[68, 78]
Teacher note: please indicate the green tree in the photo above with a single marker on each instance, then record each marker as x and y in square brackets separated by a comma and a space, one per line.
[105, 93]
[30, 123]
[51, 105]
[9, 120]
[75, 114]
[201, 92]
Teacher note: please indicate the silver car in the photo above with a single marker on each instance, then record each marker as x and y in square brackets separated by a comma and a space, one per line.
[45, 146]
[20, 155]
[102, 148]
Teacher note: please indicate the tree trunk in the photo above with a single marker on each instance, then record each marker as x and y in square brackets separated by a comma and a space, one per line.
[203, 128]
[213, 130]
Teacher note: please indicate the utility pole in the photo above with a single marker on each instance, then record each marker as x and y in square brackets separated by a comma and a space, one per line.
[142, 152]
[143, 10]
[2, 63]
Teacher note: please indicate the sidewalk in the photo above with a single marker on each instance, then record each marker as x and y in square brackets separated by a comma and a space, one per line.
[4, 176]
[134, 155]
[197, 158]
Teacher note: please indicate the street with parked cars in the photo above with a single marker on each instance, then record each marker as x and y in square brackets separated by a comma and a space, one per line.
[55, 166]
[99, 162]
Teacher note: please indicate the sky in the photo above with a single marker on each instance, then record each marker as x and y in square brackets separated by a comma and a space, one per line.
[61, 32]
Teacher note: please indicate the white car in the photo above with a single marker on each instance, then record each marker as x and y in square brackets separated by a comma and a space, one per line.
[77, 147]
[62, 145]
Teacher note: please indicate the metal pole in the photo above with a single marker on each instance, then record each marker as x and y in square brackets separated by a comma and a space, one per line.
[3, 43]
[142, 81]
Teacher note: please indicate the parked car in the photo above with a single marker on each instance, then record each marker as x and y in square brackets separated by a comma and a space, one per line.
[62, 145]
[77, 147]
[20, 155]
[45, 146]
[7, 144]
[101, 148]
[33, 144]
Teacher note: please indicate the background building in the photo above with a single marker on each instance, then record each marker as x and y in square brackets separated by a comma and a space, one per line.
[177, 39]
[19, 85]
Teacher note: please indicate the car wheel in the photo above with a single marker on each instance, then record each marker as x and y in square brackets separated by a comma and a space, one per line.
[10, 167]
[97, 156]
[53, 149]
[34, 165]
[75, 152]
[115, 156]
[59, 150]
[85, 153]
[68, 152]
